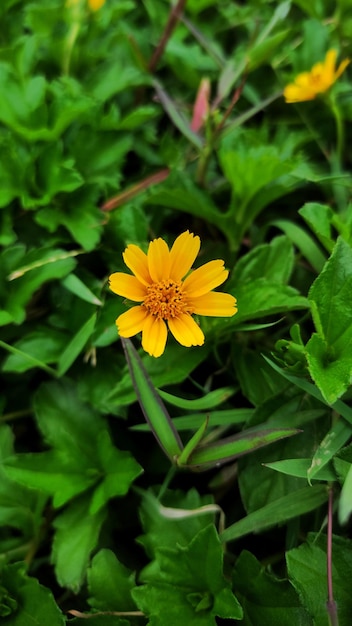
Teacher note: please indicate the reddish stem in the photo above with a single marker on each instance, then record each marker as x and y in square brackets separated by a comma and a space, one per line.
[174, 16]
[331, 604]
[135, 190]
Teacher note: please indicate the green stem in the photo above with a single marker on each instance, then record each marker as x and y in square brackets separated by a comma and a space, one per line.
[340, 133]
[167, 480]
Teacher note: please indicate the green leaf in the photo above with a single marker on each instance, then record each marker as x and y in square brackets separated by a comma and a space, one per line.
[258, 282]
[83, 456]
[65, 421]
[119, 470]
[345, 501]
[175, 585]
[110, 583]
[76, 345]
[209, 401]
[333, 441]
[175, 520]
[305, 244]
[300, 467]
[79, 215]
[42, 265]
[20, 508]
[77, 287]
[176, 116]
[152, 406]
[292, 505]
[233, 447]
[328, 350]
[319, 217]
[193, 443]
[273, 261]
[169, 369]
[24, 360]
[339, 406]
[53, 474]
[32, 604]
[36, 349]
[227, 417]
[266, 599]
[77, 533]
[263, 51]
[307, 571]
[259, 485]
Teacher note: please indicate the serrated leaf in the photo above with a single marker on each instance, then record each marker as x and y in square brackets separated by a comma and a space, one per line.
[175, 585]
[110, 583]
[194, 513]
[65, 421]
[119, 470]
[266, 599]
[328, 350]
[35, 604]
[307, 572]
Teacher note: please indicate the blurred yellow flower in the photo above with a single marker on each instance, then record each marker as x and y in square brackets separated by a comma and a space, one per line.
[159, 284]
[321, 77]
[95, 5]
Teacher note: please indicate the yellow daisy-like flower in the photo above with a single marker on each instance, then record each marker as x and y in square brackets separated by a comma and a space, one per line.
[321, 77]
[166, 296]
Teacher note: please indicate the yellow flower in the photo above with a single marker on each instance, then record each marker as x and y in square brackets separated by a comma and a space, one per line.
[320, 78]
[165, 295]
[95, 5]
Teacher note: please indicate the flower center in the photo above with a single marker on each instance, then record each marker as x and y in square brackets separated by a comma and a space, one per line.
[166, 299]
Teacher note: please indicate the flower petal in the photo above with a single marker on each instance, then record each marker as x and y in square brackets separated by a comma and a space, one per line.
[137, 261]
[154, 336]
[158, 260]
[205, 278]
[215, 303]
[186, 331]
[127, 286]
[299, 93]
[132, 321]
[342, 67]
[329, 67]
[183, 254]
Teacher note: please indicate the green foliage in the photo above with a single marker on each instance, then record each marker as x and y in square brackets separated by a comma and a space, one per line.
[175, 586]
[266, 598]
[192, 487]
[306, 564]
[23, 601]
[328, 351]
